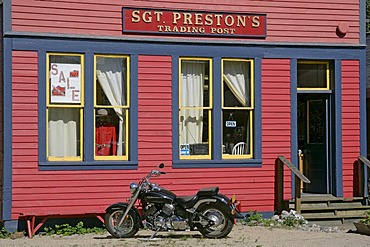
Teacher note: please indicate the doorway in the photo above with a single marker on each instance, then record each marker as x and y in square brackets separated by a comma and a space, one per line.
[314, 135]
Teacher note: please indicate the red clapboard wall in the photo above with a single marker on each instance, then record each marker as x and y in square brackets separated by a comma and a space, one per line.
[287, 20]
[350, 122]
[276, 132]
[53, 192]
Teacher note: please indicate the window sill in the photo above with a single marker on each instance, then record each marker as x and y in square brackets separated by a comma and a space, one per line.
[217, 163]
[85, 165]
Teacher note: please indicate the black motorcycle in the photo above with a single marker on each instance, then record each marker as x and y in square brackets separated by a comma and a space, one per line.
[158, 209]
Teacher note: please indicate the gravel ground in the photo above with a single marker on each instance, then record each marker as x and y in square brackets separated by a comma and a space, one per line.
[241, 235]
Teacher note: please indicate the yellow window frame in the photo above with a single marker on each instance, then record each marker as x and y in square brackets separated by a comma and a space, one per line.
[327, 75]
[126, 107]
[249, 108]
[208, 108]
[49, 106]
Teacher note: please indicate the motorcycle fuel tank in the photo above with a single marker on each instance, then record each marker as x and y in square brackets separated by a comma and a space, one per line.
[160, 196]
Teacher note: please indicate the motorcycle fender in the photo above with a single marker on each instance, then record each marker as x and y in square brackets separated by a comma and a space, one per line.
[117, 205]
[222, 201]
[123, 206]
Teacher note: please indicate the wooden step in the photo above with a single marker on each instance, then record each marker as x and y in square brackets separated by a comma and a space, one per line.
[329, 208]
[338, 208]
[330, 216]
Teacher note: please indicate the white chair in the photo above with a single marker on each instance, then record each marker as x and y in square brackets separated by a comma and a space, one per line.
[239, 148]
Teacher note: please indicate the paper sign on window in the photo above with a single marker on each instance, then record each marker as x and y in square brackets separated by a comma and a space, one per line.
[231, 124]
[65, 83]
[184, 149]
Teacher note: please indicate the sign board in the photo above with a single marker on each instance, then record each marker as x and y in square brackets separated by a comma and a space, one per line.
[184, 149]
[199, 23]
[65, 83]
[231, 124]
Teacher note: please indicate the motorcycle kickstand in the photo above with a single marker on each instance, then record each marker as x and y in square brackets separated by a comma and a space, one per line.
[155, 233]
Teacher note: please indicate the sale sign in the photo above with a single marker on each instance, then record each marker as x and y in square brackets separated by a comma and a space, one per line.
[65, 83]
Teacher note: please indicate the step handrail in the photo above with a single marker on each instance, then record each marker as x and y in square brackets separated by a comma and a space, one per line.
[281, 161]
[362, 160]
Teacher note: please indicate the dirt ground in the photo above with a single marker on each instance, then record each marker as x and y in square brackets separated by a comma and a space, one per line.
[241, 235]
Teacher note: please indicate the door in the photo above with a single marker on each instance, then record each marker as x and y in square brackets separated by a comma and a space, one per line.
[314, 139]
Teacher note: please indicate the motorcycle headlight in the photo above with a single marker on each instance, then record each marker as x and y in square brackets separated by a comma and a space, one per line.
[133, 187]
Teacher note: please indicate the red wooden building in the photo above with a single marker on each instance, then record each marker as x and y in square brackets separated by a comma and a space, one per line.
[97, 93]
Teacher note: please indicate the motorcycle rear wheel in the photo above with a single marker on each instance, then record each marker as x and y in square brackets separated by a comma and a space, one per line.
[128, 228]
[222, 222]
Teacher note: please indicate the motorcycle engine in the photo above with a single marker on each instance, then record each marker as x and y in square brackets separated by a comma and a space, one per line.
[165, 218]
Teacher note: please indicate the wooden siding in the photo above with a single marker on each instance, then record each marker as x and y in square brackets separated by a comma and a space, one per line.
[155, 111]
[287, 20]
[351, 122]
[62, 192]
[276, 133]
[155, 144]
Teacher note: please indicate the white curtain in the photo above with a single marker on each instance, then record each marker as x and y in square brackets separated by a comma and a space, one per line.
[192, 86]
[63, 128]
[237, 79]
[110, 75]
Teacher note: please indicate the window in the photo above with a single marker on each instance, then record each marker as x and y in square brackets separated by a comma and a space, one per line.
[111, 107]
[234, 137]
[313, 75]
[237, 108]
[195, 103]
[64, 107]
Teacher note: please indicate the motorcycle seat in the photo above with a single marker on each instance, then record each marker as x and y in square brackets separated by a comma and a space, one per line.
[211, 191]
[189, 201]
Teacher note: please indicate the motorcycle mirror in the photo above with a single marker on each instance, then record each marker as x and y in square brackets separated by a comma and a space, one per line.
[161, 165]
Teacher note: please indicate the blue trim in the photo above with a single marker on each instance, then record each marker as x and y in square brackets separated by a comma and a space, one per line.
[175, 108]
[363, 22]
[134, 132]
[185, 49]
[216, 163]
[7, 132]
[363, 125]
[337, 156]
[42, 105]
[11, 225]
[293, 117]
[315, 91]
[7, 16]
[217, 109]
[257, 138]
[84, 165]
[88, 108]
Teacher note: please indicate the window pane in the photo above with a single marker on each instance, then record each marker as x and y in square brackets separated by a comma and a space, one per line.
[111, 88]
[64, 132]
[194, 84]
[236, 129]
[111, 107]
[312, 75]
[237, 84]
[65, 79]
[110, 132]
[194, 132]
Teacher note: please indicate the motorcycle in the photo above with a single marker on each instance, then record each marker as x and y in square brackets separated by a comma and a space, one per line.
[155, 208]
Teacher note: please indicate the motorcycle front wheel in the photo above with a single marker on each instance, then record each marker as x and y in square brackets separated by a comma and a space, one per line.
[222, 224]
[127, 229]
